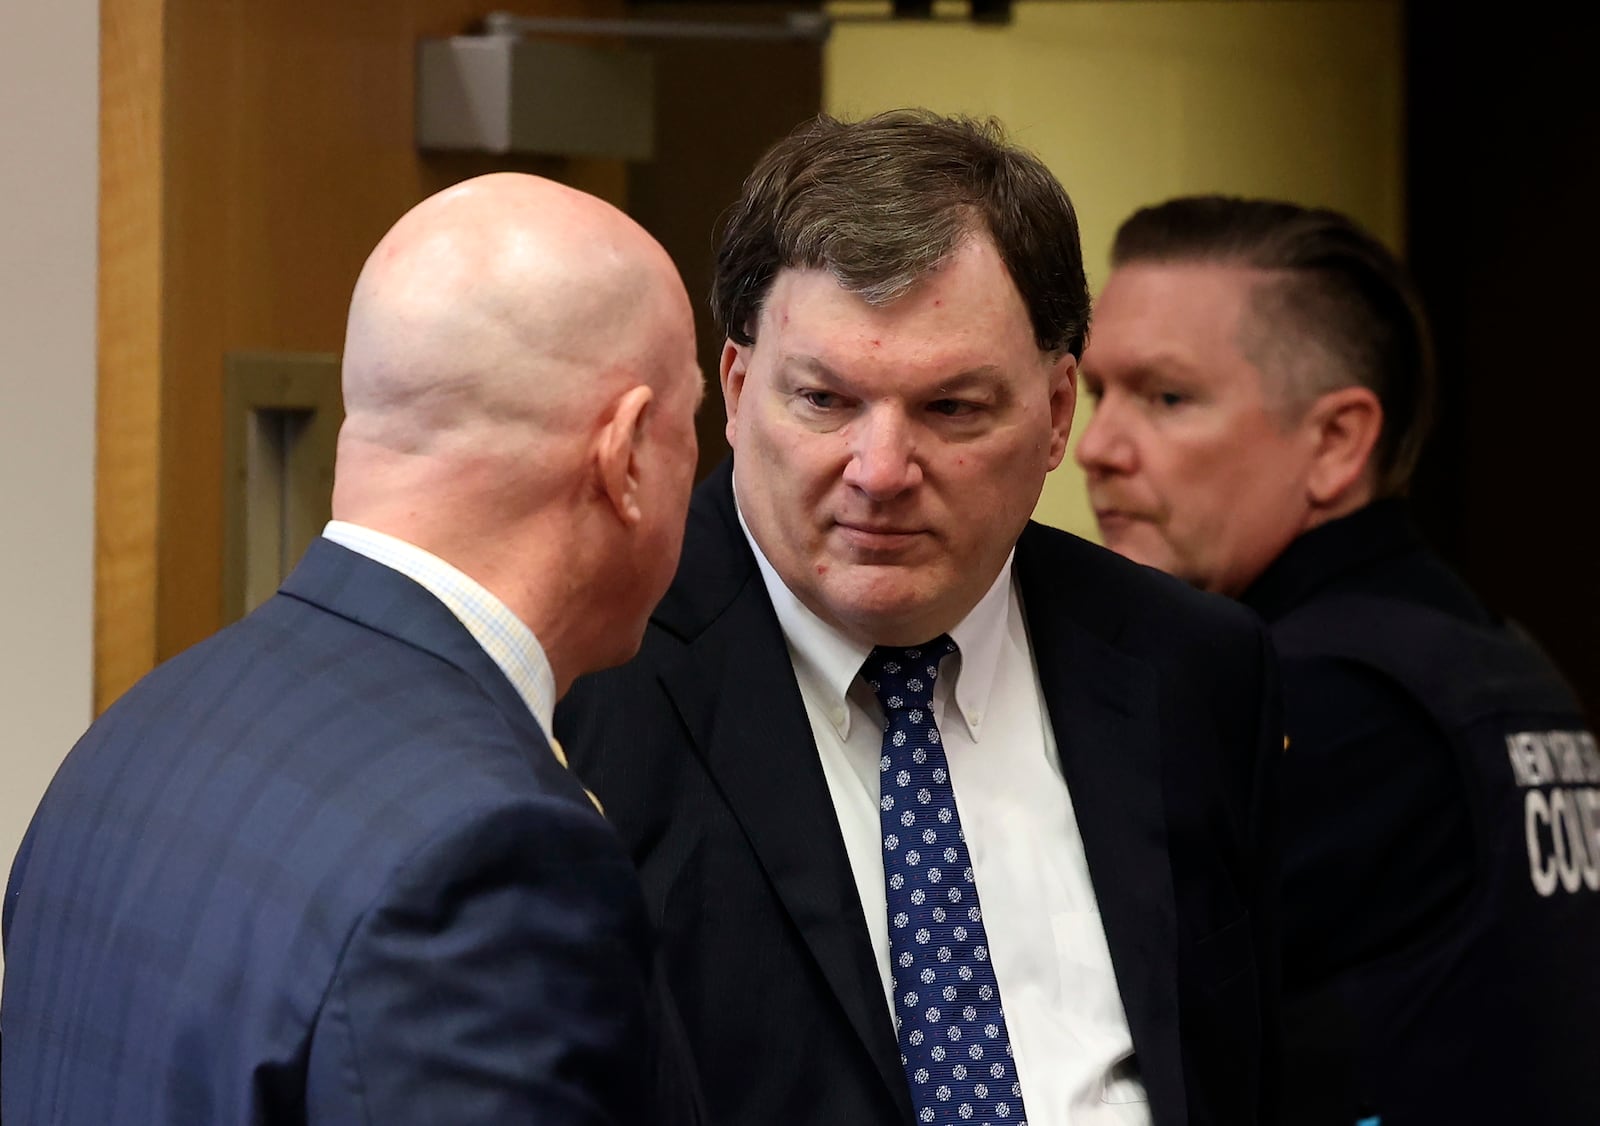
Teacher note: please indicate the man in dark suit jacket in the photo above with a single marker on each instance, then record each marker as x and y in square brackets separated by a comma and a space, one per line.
[329, 865]
[1265, 385]
[1028, 879]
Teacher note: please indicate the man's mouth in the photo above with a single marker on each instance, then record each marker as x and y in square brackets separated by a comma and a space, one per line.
[870, 536]
[1112, 519]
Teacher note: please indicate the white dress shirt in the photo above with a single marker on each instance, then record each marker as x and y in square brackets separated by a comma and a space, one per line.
[505, 637]
[1063, 1012]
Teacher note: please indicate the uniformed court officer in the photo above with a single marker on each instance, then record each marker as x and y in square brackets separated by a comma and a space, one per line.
[1263, 383]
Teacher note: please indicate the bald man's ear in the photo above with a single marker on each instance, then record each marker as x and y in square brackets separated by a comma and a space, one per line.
[1345, 425]
[617, 453]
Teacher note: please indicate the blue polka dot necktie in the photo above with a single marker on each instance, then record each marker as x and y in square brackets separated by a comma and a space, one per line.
[952, 1032]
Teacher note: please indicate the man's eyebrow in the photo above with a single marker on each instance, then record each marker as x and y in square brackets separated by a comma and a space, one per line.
[807, 363]
[1161, 366]
[986, 376]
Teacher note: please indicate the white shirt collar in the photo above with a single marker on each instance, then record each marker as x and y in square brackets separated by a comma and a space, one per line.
[827, 661]
[501, 634]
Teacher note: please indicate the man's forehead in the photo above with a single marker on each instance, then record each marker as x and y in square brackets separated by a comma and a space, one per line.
[805, 365]
[947, 304]
[1149, 306]
[1186, 338]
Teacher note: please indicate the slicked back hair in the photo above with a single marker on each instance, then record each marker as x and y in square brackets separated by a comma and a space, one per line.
[881, 203]
[1340, 312]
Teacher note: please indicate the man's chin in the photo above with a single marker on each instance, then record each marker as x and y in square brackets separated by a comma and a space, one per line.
[891, 607]
[1128, 543]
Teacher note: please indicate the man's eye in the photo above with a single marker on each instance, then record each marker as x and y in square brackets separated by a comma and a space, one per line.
[822, 400]
[952, 408]
[1171, 398]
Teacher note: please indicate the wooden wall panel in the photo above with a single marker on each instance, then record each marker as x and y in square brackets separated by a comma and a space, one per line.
[290, 152]
[272, 147]
[128, 405]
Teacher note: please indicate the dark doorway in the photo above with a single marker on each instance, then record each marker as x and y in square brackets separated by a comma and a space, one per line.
[720, 104]
[1504, 172]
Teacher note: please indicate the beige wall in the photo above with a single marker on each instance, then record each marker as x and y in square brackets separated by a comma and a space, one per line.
[48, 84]
[1132, 101]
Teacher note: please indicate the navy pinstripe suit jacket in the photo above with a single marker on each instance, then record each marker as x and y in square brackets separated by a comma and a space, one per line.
[322, 867]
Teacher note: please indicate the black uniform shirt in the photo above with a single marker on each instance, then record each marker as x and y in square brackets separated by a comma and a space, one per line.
[1376, 829]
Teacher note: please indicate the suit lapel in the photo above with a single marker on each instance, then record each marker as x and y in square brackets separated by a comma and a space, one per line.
[736, 691]
[1104, 710]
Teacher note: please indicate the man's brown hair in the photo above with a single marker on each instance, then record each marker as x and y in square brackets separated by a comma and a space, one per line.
[880, 203]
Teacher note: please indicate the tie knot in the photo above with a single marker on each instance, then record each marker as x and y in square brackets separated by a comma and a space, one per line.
[903, 677]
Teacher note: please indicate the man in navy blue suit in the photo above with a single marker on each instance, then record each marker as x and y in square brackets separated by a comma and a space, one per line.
[329, 865]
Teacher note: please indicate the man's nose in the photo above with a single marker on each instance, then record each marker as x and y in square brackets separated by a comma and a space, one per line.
[883, 455]
[1105, 446]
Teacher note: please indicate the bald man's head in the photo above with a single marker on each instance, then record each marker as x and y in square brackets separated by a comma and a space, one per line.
[520, 384]
[504, 302]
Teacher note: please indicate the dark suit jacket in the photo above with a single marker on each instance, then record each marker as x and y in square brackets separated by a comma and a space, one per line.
[323, 867]
[1164, 705]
